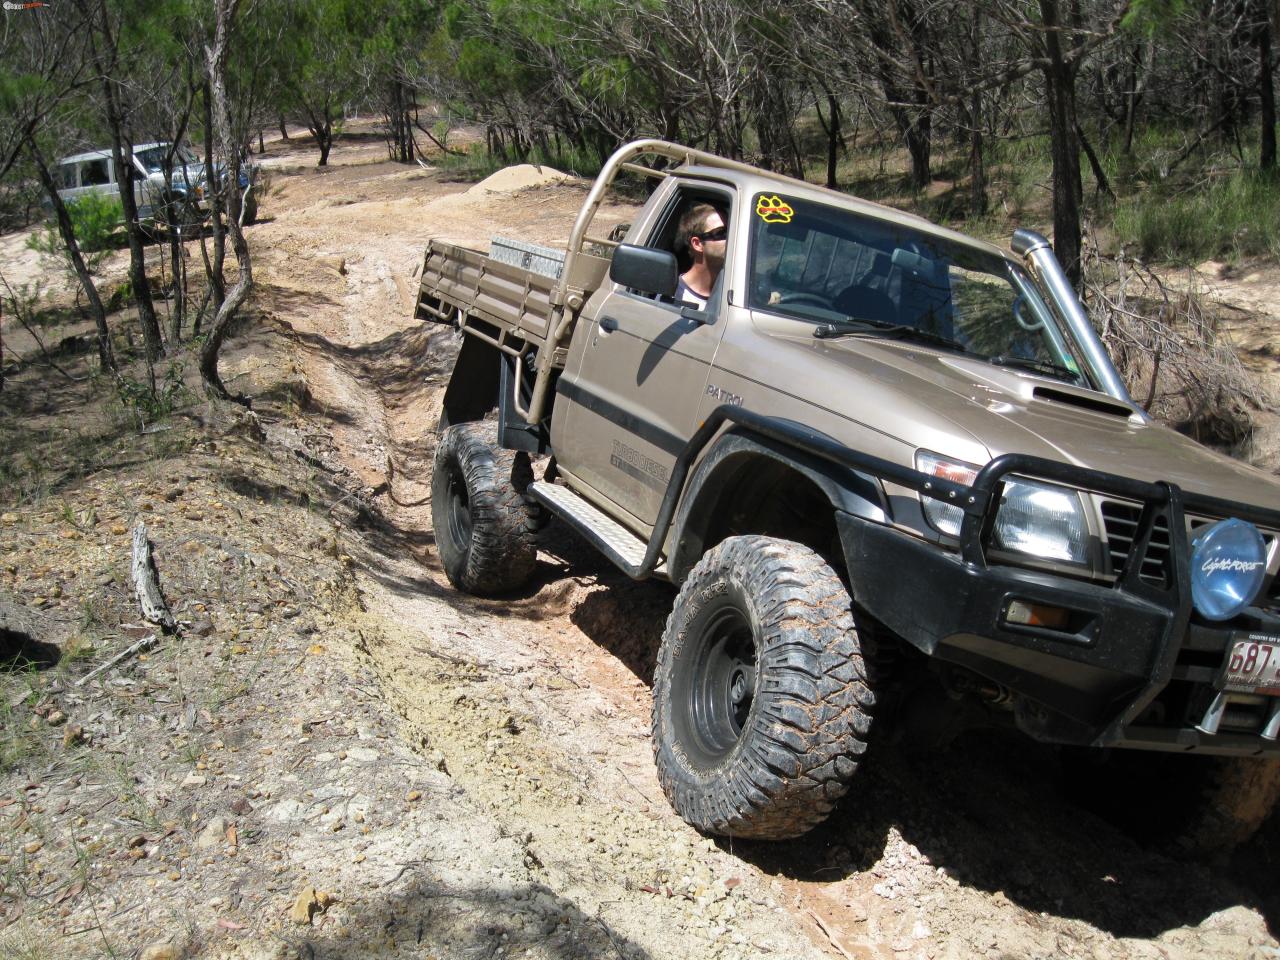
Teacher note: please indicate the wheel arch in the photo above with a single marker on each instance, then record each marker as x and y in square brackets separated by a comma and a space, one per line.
[743, 485]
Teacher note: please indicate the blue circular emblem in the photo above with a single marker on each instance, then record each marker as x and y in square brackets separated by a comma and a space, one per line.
[1228, 564]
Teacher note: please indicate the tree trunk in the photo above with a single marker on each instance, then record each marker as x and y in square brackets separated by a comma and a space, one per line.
[918, 134]
[977, 166]
[284, 131]
[833, 139]
[217, 284]
[178, 317]
[1139, 68]
[123, 160]
[1267, 94]
[1068, 191]
[324, 139]
[106, 353]
[224, 11]
[977, 160]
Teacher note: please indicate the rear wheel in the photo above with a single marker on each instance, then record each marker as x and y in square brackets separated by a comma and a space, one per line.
[484, 525]
[761, 704]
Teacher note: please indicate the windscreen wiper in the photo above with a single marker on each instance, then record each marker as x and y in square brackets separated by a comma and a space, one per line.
[1037, 366]
[859, 325]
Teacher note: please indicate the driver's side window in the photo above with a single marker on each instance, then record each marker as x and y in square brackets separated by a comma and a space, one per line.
[694, 227]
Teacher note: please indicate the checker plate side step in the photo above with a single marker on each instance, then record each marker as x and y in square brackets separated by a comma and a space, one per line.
[608, 536]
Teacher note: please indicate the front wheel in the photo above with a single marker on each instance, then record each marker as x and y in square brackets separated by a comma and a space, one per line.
[761, 707]
[484, 525]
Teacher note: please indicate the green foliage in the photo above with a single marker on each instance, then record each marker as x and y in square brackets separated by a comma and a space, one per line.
[95, 219]
[150, 405]
[1234, 216]
[1152, 16]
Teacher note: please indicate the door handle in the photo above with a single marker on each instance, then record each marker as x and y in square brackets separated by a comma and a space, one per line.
[608, 324]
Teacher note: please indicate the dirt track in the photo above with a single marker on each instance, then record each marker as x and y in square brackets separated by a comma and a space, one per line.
[522, 724]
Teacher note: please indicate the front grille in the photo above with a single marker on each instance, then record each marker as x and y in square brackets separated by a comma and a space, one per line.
[1121, 521]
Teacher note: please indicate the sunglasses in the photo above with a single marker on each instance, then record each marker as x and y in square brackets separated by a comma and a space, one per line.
[719, 233]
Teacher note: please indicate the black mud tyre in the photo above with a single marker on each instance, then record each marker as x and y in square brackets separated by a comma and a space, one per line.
[485, 526]
[761, 706]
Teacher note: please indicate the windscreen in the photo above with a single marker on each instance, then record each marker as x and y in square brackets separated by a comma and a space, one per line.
[843, 272]
[152, 159]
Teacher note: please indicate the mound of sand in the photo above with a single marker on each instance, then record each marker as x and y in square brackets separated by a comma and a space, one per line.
[519, 177]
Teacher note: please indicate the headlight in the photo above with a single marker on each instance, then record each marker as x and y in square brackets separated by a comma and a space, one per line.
[1043, 521]
[1039, 519]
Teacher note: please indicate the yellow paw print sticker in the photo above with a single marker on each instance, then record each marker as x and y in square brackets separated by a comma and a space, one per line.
[774, 210]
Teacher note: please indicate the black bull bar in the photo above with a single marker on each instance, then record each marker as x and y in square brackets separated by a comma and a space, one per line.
[1107, 720]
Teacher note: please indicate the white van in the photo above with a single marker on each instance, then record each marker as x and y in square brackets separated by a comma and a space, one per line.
[94, 172]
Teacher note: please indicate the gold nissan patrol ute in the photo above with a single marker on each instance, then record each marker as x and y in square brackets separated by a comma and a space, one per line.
[882, 452]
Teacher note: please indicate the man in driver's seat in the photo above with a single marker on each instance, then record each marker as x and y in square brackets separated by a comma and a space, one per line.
[703, 237]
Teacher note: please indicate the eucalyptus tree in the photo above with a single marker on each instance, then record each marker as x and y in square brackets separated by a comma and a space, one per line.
[229, 151]
[319, 58]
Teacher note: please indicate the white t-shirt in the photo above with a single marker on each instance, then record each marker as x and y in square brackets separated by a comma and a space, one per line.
[684, 294]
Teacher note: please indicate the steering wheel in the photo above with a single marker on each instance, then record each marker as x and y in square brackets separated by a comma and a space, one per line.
[1018, 306]
[800, 296]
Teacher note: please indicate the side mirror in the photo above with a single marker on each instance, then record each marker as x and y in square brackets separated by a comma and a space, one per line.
[645, 269]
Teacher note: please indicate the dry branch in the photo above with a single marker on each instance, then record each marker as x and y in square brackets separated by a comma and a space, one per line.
[146, 582]
[146, 643]
[1165, 341]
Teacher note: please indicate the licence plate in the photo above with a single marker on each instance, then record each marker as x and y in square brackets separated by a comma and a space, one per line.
[1253, 666]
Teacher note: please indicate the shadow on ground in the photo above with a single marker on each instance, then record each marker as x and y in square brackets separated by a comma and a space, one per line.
[469, 922]
[993, 811]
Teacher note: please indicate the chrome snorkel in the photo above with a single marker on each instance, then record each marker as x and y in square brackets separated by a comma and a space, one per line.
[1038, 253]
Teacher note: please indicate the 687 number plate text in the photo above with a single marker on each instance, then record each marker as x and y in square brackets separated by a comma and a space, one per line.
[1254, 666]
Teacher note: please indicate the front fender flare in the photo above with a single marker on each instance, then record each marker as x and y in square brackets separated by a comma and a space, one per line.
[848, 490]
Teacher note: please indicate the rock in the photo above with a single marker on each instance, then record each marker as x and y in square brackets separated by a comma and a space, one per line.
[413, 795]
[194, 779]
[160, 951]
[201, 628]
[309, 902]
[73, 735]
[213, 835]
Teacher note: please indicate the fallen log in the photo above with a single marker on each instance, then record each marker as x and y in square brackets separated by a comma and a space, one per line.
[146, 582]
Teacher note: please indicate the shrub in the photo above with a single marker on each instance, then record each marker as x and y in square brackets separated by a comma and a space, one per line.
[94, 219]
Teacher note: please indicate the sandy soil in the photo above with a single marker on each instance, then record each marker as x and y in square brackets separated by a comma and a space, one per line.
[432, 775]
